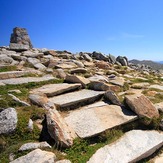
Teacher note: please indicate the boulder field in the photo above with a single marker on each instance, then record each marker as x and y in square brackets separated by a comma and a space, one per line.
[61, 107]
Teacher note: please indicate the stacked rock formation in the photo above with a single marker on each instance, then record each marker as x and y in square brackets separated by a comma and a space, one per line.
[20, 39]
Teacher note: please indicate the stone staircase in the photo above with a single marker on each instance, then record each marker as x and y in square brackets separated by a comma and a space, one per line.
[87, 114]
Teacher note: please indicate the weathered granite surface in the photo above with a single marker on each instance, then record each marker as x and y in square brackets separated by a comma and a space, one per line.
[132, 147]
[89, 121]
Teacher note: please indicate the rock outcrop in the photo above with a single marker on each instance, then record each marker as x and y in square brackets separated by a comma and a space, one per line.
[20, 40]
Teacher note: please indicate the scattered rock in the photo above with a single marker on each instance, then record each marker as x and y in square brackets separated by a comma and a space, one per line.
[118, 81]
[61, 74]
[101, 86]
[38, 99]
[141, 105]
[29, 146]
[102, 65]
[140, 85]
[100, 78]
[36, 156]
[112, 97]
[14, 91]
[8, 120]
[86, 57]
[18, 100]
[77, 79]
[78, 70]
[78, 63]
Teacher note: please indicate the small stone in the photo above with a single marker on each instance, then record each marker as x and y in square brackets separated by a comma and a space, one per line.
[39, 99]
[30, 125]
[32, 145]
[78, 70]
[112, 97]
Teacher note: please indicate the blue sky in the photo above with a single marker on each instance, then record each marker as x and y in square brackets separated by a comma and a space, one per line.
[132, 28]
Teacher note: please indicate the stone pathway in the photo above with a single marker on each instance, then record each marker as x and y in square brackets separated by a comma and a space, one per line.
[23, 80]
[132, 147]
[55, 89]
[15, 74]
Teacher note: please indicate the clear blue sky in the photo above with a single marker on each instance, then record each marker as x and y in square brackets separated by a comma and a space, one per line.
[132, 28]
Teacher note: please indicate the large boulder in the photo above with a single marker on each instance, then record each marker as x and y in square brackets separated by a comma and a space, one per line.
[122, 60]
[112, 59]
[20, 40]
[58, 129]
[141, 105]
[99, 56]
[8, 120]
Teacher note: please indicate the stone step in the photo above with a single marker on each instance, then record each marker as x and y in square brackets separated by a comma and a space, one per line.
[23, 80]
[96, 118]
[55, 89]
[132, 147]
[75, 99]
[15, 74]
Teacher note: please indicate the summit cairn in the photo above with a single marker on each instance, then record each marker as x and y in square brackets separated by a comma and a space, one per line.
[19, 40]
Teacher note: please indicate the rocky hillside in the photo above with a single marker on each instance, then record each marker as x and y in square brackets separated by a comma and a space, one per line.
[56, 106]
[148, 63]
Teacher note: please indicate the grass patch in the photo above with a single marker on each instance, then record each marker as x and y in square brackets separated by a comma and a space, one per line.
[11, 143]
[151, 81]
[8, 68]
[6, 100]
[82, 150]
[157, 98]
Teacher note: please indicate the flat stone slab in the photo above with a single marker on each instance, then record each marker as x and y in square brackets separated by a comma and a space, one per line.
[55, 89]
[156, 87]
[74, 98]
[15, 74]
[14, 81]
[118, 81]
[132, 147]
[91, 121]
